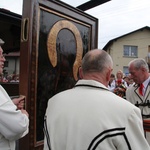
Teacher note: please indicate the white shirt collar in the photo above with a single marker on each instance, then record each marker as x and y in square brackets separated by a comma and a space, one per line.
[146, 82]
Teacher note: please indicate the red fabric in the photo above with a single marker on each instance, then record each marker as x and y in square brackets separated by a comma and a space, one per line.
[119, 82]
[146, 125]
[141, 89]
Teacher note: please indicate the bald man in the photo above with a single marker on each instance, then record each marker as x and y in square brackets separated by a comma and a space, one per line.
[89, 116]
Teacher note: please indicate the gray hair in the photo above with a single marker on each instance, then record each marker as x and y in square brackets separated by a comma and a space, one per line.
[96, 61]
[1, 42]
[139, 63]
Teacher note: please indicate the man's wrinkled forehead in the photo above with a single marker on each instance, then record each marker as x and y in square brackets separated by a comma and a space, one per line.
[1, 51]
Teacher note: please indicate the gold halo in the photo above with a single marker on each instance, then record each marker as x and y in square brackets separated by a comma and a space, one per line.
[51, 44]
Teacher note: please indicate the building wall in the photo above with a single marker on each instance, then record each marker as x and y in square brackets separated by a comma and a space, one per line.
[140, 38]
[13, 65]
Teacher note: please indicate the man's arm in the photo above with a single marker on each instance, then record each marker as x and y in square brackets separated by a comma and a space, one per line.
[13, 123]
[135, 132]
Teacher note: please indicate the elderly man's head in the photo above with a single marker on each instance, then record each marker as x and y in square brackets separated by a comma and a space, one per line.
[139, 70]
[96, 65]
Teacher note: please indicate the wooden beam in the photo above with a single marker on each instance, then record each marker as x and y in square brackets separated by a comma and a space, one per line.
[90, 4]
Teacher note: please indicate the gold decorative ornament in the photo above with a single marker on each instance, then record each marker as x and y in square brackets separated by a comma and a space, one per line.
[51, 44]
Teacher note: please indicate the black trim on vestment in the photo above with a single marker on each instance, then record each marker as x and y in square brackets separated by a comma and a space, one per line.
[46, 133]
[91, 86]
[107, 134]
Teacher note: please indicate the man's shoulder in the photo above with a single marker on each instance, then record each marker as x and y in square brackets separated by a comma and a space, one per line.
[133, 86]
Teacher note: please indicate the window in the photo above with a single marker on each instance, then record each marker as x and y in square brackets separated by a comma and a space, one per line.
[130, 51]
[125, 70]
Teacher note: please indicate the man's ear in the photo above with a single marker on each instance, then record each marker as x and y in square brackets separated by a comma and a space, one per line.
[80, 73]
[108, 74]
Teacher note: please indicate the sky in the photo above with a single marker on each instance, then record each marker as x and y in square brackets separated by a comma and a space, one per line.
[116, 17]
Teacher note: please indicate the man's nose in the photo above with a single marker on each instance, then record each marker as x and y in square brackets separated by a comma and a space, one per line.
[2, 58]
